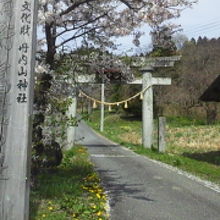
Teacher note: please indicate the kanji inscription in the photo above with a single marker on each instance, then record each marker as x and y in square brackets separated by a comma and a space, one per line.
[23, 49]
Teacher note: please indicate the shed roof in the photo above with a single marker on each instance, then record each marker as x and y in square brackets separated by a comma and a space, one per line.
[212, 94]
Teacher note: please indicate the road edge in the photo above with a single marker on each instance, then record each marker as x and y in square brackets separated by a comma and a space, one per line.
[208, 184]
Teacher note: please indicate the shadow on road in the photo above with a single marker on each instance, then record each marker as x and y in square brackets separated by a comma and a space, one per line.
[118, 190]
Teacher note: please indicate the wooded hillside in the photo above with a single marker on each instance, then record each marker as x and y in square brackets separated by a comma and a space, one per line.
[197, 69]
[191, 76]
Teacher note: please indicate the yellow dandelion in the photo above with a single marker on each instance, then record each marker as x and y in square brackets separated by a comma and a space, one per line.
[94, 206]
[43, 216]
[84, 187]
[50, 208]
[98, 195]
[99, 213]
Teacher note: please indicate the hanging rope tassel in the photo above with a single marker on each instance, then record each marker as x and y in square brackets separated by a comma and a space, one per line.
[141, 96]
[126, 105]
[80, 94]
[109, 108]
[94, 105]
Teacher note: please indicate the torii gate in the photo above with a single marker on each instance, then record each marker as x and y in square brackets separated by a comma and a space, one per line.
[148, 81]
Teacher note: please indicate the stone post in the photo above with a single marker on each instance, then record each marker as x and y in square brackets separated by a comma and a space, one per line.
[18, 25]
[162, 134]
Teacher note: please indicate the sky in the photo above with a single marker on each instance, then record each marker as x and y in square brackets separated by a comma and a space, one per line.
[202, 20]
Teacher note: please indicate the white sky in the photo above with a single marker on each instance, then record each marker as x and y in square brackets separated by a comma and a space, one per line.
[202, 20]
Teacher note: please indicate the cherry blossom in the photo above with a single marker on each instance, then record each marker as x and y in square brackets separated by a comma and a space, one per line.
[63, 21]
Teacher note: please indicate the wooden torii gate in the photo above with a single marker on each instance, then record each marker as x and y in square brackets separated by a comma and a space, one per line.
[146, 65]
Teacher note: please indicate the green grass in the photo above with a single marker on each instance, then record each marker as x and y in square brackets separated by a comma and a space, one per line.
[204, 170]
[190, 146]
[184, 121]
[71, 191]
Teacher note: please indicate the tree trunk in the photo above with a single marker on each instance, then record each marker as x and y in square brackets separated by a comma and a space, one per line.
[211, 113]
[50, 31]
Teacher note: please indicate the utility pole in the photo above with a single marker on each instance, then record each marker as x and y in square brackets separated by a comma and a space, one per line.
[18, 40]
[102, 107]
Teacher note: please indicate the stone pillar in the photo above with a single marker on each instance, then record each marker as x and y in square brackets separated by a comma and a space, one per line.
[18, 26]
[162, 134]
[147, 108]
[71, 130]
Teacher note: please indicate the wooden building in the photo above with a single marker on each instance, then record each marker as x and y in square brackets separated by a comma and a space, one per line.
[212, 94]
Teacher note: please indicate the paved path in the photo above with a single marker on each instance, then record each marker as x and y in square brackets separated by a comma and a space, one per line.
[140, 189]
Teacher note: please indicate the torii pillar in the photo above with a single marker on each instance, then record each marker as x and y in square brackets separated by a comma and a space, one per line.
[147, 103]
[147, 108]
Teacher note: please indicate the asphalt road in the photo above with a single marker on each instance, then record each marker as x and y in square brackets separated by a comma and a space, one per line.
[140, 189]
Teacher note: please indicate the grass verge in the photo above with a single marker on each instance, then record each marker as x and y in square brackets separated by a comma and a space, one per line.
[197, 161]
[71, 191]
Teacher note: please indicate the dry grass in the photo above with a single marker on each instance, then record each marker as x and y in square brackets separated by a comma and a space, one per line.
[131, 137]
[182, 139]
[194, 138]
[187, 137]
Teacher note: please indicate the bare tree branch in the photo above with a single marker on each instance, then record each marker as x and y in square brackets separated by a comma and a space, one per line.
[76, 36]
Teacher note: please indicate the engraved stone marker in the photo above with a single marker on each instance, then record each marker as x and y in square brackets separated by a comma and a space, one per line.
[17, 52]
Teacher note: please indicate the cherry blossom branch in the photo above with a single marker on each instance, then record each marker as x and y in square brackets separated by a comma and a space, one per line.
[76, 36]
[83, 25]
